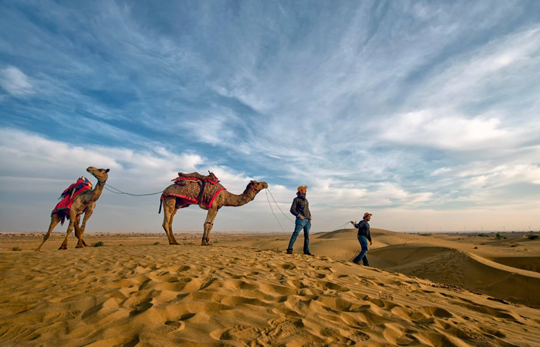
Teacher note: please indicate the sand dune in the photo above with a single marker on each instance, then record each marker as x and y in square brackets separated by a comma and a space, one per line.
[486, 265]
[228, 294]
[448, 265]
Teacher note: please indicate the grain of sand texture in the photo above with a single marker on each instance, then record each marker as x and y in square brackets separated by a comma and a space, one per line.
[244, 290]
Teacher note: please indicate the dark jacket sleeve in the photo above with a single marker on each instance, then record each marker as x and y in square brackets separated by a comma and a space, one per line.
[294, 207]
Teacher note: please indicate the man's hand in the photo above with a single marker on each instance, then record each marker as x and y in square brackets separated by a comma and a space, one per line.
[310, 218]
[370, 243]
[301, 217]
[352, 222]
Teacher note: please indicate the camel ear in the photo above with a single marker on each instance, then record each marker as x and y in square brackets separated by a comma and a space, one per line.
[107, 170]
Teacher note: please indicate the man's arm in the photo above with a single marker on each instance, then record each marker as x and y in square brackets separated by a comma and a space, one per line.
[356, 225]
[294, 209]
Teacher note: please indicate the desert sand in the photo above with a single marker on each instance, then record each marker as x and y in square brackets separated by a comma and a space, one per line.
[423, 290]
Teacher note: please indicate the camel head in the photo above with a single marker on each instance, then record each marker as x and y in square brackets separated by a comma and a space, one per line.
[100, 174]
[257, 186]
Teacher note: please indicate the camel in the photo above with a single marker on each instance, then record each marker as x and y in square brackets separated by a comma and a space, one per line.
[83, 204]
[171, 205]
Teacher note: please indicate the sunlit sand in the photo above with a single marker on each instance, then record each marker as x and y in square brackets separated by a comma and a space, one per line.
[137, 290]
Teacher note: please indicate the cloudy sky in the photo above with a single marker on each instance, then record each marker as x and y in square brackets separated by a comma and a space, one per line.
[425, 114]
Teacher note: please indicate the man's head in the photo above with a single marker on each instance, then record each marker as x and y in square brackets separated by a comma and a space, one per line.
[367, 216]
[302, 190]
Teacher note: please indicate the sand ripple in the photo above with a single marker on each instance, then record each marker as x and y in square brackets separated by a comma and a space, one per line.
[168, 296]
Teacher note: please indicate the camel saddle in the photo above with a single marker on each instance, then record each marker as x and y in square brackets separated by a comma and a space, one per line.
[70, 194]
[202, 194]
[195, 177]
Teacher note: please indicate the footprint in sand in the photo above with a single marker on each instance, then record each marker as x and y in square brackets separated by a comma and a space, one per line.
[170, 326]
[240, 332]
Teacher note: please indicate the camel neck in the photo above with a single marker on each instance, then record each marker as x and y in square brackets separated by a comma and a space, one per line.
[96, 193]
[239, 200]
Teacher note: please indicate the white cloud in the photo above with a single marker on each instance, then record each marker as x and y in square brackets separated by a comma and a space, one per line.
[503, 175]
[440, 129]
[441, 171]
[15, 82]
[39, 169]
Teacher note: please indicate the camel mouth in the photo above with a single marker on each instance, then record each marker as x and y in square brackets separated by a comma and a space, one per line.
[265, 185]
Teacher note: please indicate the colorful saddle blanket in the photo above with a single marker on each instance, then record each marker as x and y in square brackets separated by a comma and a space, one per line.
[195, 176]
[82, 186]
[198, 192]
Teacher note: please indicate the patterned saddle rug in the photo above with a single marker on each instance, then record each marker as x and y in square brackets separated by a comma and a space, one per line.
[200, 191]
[195, 176]
[70, 194]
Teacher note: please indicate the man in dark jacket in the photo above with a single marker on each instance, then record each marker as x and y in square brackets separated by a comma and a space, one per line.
[300, 209]
[364, 235]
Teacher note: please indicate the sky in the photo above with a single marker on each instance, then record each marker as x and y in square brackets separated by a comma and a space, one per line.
[424, 113]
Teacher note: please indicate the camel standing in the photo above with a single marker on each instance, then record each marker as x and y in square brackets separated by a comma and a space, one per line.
[172, 204]
[83, 204]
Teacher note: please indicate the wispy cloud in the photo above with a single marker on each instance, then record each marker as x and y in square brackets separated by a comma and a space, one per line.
[378, 104]
[15, 82]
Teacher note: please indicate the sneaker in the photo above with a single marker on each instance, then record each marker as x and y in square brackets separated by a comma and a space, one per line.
[289, 251]
[309, 253]
[356, 262]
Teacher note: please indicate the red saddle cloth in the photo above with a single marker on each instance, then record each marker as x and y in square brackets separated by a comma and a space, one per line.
[200, 191]
[82, 186]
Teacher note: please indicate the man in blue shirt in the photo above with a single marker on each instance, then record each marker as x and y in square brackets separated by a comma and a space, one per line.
[364, 235]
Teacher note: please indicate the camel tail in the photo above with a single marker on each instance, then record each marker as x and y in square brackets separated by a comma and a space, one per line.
[160, 204]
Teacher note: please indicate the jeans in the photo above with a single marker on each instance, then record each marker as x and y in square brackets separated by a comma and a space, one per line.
[364, 244]
[299, 225]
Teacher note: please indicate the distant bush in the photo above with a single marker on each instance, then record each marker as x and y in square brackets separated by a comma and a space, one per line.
[156, 243]
[482, 235]
[98, 244]
[16, 248]
[533, 237]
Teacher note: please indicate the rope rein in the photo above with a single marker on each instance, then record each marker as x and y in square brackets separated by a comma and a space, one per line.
[286, 216]
[118, 191]
[273, 212]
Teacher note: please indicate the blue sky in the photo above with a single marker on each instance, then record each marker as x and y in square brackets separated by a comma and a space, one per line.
[424, 113]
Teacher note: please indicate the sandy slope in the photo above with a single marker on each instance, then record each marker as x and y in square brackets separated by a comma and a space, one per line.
[504, 268]
[144, 294]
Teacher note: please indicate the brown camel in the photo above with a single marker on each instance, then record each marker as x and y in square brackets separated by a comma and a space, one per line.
[83, 204]
[171, 205]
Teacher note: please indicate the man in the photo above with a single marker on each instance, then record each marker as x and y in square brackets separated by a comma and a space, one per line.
[300, 209]
[364, 235]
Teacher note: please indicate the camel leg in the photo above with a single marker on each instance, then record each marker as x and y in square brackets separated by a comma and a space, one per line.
[170, 225]
[72, 219]
[208, 224]
[87, 215]
[55, 219]
[169, 210]
[78, 230]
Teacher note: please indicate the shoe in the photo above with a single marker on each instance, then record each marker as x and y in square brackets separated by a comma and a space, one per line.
[356, 262]
[289, 251]
[309, 253]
